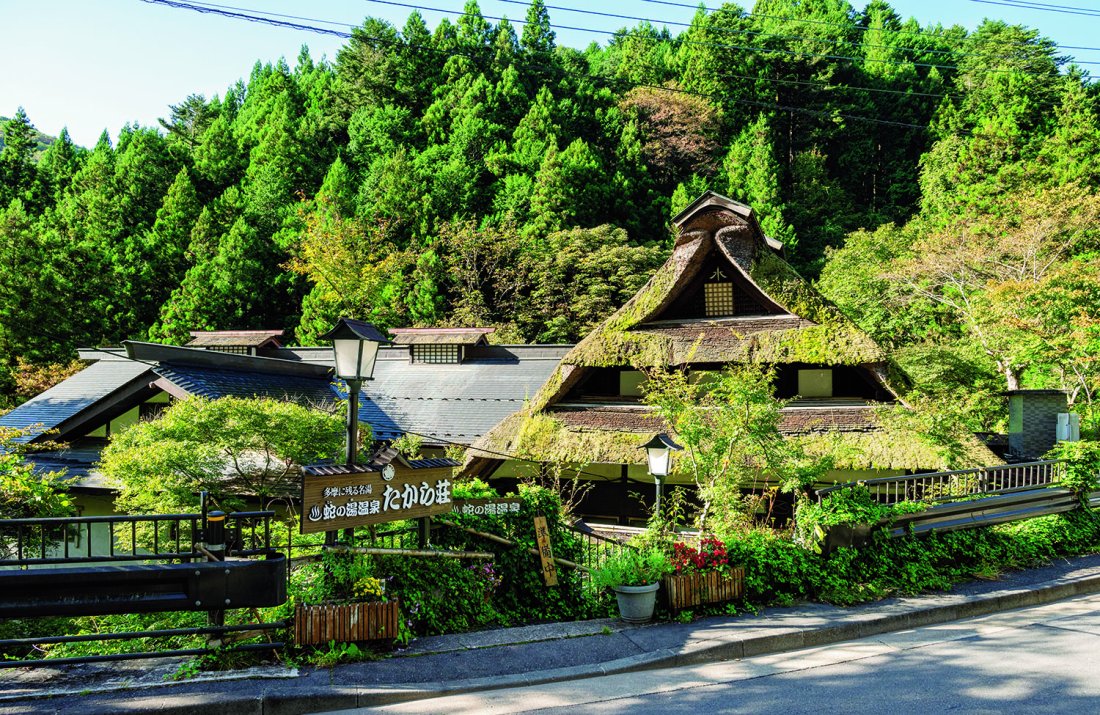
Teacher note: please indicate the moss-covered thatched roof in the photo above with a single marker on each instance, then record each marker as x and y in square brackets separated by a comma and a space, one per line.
[797, 325]
[804, 326]
[546, 437]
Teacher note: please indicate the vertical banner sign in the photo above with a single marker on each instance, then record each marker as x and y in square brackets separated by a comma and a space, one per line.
[546, 556]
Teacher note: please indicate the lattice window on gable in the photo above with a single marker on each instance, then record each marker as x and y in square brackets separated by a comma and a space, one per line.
[234, 349]
[437, 354]
[718, 295]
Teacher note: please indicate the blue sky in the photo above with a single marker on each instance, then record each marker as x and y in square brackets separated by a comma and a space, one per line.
[98, 64]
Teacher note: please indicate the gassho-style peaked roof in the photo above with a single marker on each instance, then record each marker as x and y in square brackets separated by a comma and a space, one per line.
[778, 319]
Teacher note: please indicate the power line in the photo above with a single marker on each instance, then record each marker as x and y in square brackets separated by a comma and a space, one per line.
[1060, 9]
[211, 9]
[817, 112]
[826, 85]
[747, 48]
[858, 28]
[221, 10]
[760, 33]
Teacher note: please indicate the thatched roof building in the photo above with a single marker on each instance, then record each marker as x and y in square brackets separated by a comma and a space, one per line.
[725, 295]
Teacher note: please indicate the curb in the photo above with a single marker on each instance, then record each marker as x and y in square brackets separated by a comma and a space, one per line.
[290, 697]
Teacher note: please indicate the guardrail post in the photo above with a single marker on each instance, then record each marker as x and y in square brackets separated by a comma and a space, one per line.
[214, 536]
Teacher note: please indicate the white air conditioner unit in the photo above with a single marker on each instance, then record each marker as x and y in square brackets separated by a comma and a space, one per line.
[1069, 427]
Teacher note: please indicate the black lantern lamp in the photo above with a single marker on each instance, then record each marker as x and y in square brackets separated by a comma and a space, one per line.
[355, 347]
[659, 451]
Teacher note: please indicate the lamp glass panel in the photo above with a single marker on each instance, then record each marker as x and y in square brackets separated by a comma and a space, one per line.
[370, 355]
[347, 357]
[658, 460]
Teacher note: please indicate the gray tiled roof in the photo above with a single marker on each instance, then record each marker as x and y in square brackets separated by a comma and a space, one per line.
[443, 403]
[79, 392]
[213, 383]
[453, 403]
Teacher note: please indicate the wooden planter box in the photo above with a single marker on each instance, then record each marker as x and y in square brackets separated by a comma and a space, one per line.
[345, 623]
[695, 589]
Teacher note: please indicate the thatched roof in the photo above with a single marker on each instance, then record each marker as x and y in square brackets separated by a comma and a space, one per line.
[800, 325]
[864, 443]
[791, 323]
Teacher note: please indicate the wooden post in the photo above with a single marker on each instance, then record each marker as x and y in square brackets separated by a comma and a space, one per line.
[546, 555]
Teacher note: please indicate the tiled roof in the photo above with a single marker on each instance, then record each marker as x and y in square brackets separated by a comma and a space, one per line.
[439, 336]
[214, 383]
[70, 397]
[454, 402]
[234, 338]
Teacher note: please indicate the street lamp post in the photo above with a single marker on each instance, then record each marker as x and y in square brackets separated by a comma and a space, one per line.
[659, 451]
[355, 348]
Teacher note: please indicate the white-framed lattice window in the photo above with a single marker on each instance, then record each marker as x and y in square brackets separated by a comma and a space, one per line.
[718, 295]
[437, 354]
[234, 349]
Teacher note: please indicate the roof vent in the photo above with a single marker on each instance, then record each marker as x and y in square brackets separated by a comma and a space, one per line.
[439, 345]
[240, 342]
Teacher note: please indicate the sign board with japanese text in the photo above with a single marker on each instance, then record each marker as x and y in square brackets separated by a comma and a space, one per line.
[340, 501]
[487, 507]
[546, 556]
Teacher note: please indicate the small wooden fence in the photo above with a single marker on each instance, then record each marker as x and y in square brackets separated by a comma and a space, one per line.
[695, 589]
[346, 623]
[959, 484]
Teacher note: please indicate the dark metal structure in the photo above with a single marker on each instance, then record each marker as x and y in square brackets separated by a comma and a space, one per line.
[86, 566]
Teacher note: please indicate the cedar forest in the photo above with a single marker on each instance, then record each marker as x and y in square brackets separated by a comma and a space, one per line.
[939, 185]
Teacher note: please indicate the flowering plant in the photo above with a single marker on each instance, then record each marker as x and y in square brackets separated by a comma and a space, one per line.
[489, 577]
[369, 588]
[710, 556]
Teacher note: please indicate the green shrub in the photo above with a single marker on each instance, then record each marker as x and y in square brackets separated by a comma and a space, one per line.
[631, 568]
[1082, 464]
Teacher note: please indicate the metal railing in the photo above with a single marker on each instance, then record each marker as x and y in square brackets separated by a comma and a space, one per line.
[958, 484]
[117, 538]
[214, 630]
[596, 549]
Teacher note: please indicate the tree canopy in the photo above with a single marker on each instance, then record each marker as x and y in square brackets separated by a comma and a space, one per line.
[482, 172]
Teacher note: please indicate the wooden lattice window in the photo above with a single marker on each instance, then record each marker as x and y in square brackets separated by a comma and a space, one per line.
[437, 354]
[234, 349]
[718, 295]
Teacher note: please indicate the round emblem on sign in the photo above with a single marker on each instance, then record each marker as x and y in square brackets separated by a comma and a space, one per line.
[388, 472]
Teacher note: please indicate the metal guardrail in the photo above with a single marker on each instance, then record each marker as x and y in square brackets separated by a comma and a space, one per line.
[958, 484]
[100, 565]
[163, 633]
[990, 510]
[120, 538]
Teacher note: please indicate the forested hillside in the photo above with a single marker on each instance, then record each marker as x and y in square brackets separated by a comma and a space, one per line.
[480, 174]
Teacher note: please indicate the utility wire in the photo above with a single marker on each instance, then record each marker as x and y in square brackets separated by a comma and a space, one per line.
[858, 28]
[760, 33]
[826, 85]
[221, 10]
[718, 45]
[211, 9]
[1060, 9]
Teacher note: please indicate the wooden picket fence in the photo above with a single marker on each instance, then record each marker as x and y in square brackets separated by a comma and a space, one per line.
[345, 623]
[696, 589]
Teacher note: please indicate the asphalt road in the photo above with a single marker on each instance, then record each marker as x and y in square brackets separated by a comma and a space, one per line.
[1035, 660]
